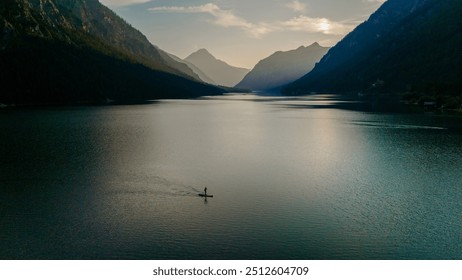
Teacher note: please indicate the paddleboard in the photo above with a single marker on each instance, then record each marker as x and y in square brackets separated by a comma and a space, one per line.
[205, 195]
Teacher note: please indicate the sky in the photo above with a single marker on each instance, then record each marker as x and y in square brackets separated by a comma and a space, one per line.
[242, 32]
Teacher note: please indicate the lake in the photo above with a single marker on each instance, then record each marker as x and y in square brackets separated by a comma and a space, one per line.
[312, 177]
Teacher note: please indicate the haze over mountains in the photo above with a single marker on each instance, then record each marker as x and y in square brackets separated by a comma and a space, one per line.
[202, 76]
[283, 67]
[67, 51]
[217, 70]
[408, 46]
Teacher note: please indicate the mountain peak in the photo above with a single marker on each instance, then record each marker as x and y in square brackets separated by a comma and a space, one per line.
[374, 50]
[202, 54]
[219, 71]
[283, 67]
[203, 50]
[96, 53]
[315, 44]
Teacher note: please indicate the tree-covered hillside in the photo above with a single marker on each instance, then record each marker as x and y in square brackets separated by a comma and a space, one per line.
[418, 55]
[50, 53]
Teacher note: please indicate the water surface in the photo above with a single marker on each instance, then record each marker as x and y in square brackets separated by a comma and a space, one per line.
[292, 178]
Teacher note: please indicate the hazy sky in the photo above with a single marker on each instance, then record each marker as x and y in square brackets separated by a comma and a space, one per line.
[242, 32]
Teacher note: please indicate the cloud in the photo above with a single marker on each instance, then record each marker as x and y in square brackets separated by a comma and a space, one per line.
[321, 25]
[207, 8]
[119, 3]
[222, 17]
[227, 18]
[296, 6]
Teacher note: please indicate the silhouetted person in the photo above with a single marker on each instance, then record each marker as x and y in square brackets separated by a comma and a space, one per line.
[205, 191]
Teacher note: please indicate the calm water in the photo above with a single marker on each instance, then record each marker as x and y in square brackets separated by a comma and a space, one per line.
[301, 178]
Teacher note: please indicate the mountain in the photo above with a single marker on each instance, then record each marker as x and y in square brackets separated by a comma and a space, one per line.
[202, 76]
[283, 67]
[406, 46]
[68, 51]
[219, 71]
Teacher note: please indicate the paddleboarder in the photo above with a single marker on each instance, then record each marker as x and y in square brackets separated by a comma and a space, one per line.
[205, 191]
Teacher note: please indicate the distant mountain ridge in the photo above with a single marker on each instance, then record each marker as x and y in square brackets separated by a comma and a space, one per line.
[220, 72]
[196, 70]
[67, 51]
[282, 68]
[406, 46]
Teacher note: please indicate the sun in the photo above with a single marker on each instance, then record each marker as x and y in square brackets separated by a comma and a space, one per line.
[324, 26]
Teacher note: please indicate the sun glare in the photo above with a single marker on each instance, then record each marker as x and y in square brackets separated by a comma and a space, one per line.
[324, 26]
